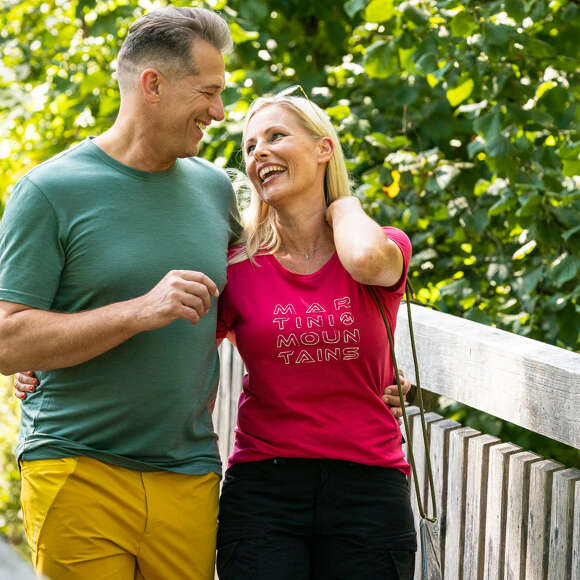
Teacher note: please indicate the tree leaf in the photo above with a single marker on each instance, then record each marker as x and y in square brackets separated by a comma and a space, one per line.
[240, 35]
[380, 10]
[524, 250]
[380, 60]
[462, 24]
[564, 268]
[353, 7]
[458, 94]
[488, 125]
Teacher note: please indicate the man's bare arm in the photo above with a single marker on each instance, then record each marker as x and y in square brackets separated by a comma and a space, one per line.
[37, 339]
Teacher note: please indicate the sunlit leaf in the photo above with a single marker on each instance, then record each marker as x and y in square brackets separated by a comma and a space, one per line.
[380, 60]
[526, 249]
[458, 94]
[380, 10]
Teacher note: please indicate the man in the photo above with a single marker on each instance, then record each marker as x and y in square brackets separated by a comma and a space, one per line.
[112, 255]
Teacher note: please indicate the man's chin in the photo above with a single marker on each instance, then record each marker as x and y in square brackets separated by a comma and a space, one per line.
[192, 152]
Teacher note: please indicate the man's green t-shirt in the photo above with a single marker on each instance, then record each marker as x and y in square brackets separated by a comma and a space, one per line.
[81, 231]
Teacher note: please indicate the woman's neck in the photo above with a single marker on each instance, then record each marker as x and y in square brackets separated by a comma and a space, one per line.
[306, 242]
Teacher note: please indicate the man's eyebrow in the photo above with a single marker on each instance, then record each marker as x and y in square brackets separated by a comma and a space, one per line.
[215, 87]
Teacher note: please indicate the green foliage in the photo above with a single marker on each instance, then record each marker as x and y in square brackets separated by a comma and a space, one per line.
[10, 518]
[459, 121]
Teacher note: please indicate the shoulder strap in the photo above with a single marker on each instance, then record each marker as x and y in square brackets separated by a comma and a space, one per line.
[431, 489]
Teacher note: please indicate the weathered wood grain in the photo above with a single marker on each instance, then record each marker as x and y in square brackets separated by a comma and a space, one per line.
[421, 469]
[456, 488]
[476, 504]
[576, 534]
[562, 524]
[540, 508]
[440, 433]
[497, 483]
[484, 367]
[517, 514]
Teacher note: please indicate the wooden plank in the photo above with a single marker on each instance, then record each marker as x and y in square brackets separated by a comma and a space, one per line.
[576, 534]
[455, 522]
[497, 484]
[540, 506]
[412, 412]
[408, 437]
[477, 365]
[476, 504]
[421, 468]
[440, 433]
[562, 524]
[517, 514]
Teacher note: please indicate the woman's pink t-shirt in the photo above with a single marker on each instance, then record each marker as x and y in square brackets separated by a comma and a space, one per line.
[318, 360]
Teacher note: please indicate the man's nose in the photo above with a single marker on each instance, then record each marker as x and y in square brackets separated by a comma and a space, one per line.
[217, 109]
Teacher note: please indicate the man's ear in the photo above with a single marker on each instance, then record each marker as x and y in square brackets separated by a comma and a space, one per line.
[325, 149]
[150, 81]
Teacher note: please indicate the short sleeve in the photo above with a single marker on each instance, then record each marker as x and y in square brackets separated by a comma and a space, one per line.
[31, 254]
[402, 240]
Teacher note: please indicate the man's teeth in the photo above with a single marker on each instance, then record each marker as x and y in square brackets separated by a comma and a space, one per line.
[271, 168]
[200, 125]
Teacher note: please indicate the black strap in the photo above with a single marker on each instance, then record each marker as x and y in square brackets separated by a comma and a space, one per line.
[411, 457]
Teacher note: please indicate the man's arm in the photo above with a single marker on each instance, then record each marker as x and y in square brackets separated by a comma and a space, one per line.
[38, 339]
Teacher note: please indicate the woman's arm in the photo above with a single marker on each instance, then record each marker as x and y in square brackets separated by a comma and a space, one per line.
[363, 248]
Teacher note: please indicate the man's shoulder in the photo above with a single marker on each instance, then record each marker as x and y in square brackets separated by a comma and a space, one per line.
[207, 168]
[63, 164]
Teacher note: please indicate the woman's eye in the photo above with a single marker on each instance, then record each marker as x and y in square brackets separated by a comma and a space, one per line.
[249, 149]
[276, 136]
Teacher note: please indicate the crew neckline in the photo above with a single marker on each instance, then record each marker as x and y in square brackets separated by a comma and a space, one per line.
[126, 169]
[291, 274]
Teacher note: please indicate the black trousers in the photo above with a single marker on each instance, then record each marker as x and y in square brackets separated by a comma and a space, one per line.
[315, 519]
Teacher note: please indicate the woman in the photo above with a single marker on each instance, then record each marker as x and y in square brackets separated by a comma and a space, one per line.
[316, 485]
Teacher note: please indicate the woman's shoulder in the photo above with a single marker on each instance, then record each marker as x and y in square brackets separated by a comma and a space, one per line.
[398, 236]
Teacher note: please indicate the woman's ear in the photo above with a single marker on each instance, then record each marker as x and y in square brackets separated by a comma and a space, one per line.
[325, 149]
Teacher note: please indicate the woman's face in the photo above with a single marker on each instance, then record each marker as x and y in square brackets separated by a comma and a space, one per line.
[283, 161]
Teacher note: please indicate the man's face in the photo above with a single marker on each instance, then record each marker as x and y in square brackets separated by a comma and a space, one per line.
[192, 102]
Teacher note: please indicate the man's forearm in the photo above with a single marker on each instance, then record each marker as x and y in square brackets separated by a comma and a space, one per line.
[35, 339]
[41, 340]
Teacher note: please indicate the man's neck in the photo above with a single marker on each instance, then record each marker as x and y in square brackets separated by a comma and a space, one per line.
[131, 146]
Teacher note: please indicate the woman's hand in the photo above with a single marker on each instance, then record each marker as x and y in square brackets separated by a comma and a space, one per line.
[391, 395]
[24, 383]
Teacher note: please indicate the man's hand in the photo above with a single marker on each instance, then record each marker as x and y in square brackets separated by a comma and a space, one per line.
[391, 395]
[179, 294]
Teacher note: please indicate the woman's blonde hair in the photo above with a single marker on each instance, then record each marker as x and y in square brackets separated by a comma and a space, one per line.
[260, 233]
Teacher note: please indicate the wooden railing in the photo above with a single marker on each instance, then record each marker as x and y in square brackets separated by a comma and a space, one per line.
[506, 513]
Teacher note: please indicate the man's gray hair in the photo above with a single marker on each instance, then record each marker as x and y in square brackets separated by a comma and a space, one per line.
[164, 37]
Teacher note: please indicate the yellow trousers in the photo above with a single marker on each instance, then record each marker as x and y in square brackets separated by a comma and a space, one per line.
[85, 519]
